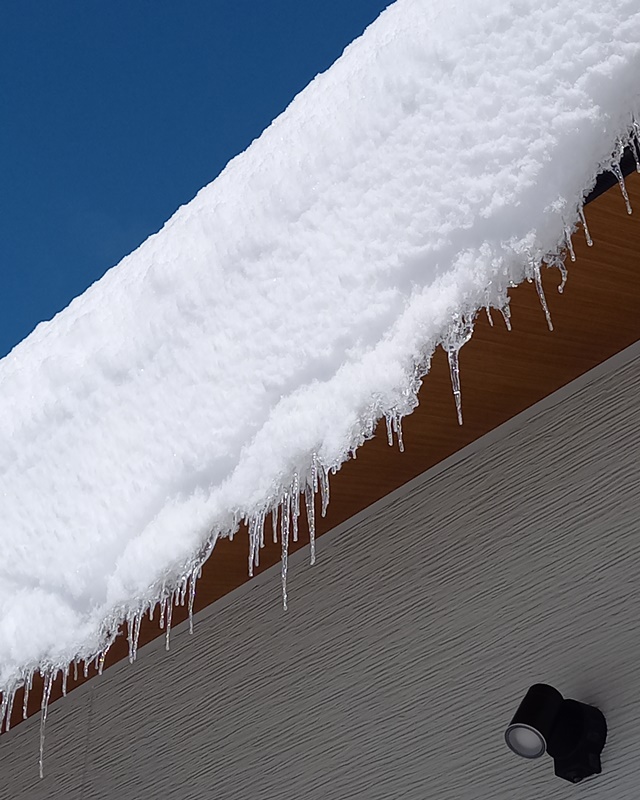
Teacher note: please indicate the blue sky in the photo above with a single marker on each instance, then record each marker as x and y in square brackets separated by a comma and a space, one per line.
[115, 113]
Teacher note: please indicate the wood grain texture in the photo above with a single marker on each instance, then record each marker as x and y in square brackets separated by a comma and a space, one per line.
[406, 649]
[502, 374]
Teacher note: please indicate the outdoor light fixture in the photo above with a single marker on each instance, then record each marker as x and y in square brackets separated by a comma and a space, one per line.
[572, 733]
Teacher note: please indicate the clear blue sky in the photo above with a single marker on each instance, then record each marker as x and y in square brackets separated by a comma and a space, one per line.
[115, 112]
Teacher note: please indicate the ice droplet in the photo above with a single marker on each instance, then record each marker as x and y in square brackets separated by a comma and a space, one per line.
[541, 296]
[458, 335]
[46, 695]
[587, 235]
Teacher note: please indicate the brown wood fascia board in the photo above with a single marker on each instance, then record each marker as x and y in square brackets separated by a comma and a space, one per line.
[502, 374]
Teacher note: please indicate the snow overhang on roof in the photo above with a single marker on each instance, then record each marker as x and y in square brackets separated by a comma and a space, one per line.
[227, 366]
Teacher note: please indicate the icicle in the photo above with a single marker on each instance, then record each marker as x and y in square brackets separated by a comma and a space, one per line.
[133, 624]
[398, 425]
[458, 335]
[86, 668]
[389, 420]
[170, 605]
[454, 370]
[323, 479]
[309, 499]
[505, 310]
[46, 695]
[567, 237]
[192, 598]
[286, 510]
[543, 300]
[65, 678]
[25, 699]
[274, 523]
[489, 317]
[615, 168]
[253, 545]
[101, 660]
[151, 610]
[7, 719]
[163, 609]
[587, 235]
[635, 143]
[75, 670]
[295, 506]
[3, 711]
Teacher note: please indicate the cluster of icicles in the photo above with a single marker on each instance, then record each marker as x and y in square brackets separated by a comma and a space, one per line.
[285, 507]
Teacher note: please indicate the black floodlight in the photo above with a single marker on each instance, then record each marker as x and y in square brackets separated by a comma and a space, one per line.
[572, 733]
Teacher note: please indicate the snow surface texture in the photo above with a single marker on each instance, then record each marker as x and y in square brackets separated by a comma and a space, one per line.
[253, 343]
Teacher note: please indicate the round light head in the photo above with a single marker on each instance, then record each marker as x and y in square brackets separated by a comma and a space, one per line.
[525, 741]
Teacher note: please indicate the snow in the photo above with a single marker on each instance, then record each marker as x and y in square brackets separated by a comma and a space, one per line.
[253, 343]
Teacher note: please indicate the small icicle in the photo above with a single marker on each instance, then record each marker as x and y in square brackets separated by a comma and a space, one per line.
[151, 611]
[163, 609]
[101, 660]
[309, 499]
[7, 723]
[253, 545]
[454, 370]
[46, 695]
[286, 510]
[567, 237]
[86, 668]
[25, 698]
[543, 300]
[587, 235]
[192, 598]
[323, 478]
[274, 523]
[169, 616]
[295, 506]
[459, 334]
[75, 670]
[489, 317]
[65, 678]
[137, 620]
[615, 168]
[505, 310]
[635, 143]
[389, 420]
[399, 433]
[3, 711]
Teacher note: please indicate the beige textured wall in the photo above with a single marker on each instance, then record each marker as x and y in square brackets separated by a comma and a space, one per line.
[406, 649]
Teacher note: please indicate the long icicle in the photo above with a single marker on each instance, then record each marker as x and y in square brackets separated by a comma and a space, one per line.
[541, 296]
[46, 694]
[587, 235]
[286, 507]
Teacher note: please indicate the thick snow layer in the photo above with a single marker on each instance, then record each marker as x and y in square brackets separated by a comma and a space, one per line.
[255, 340]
